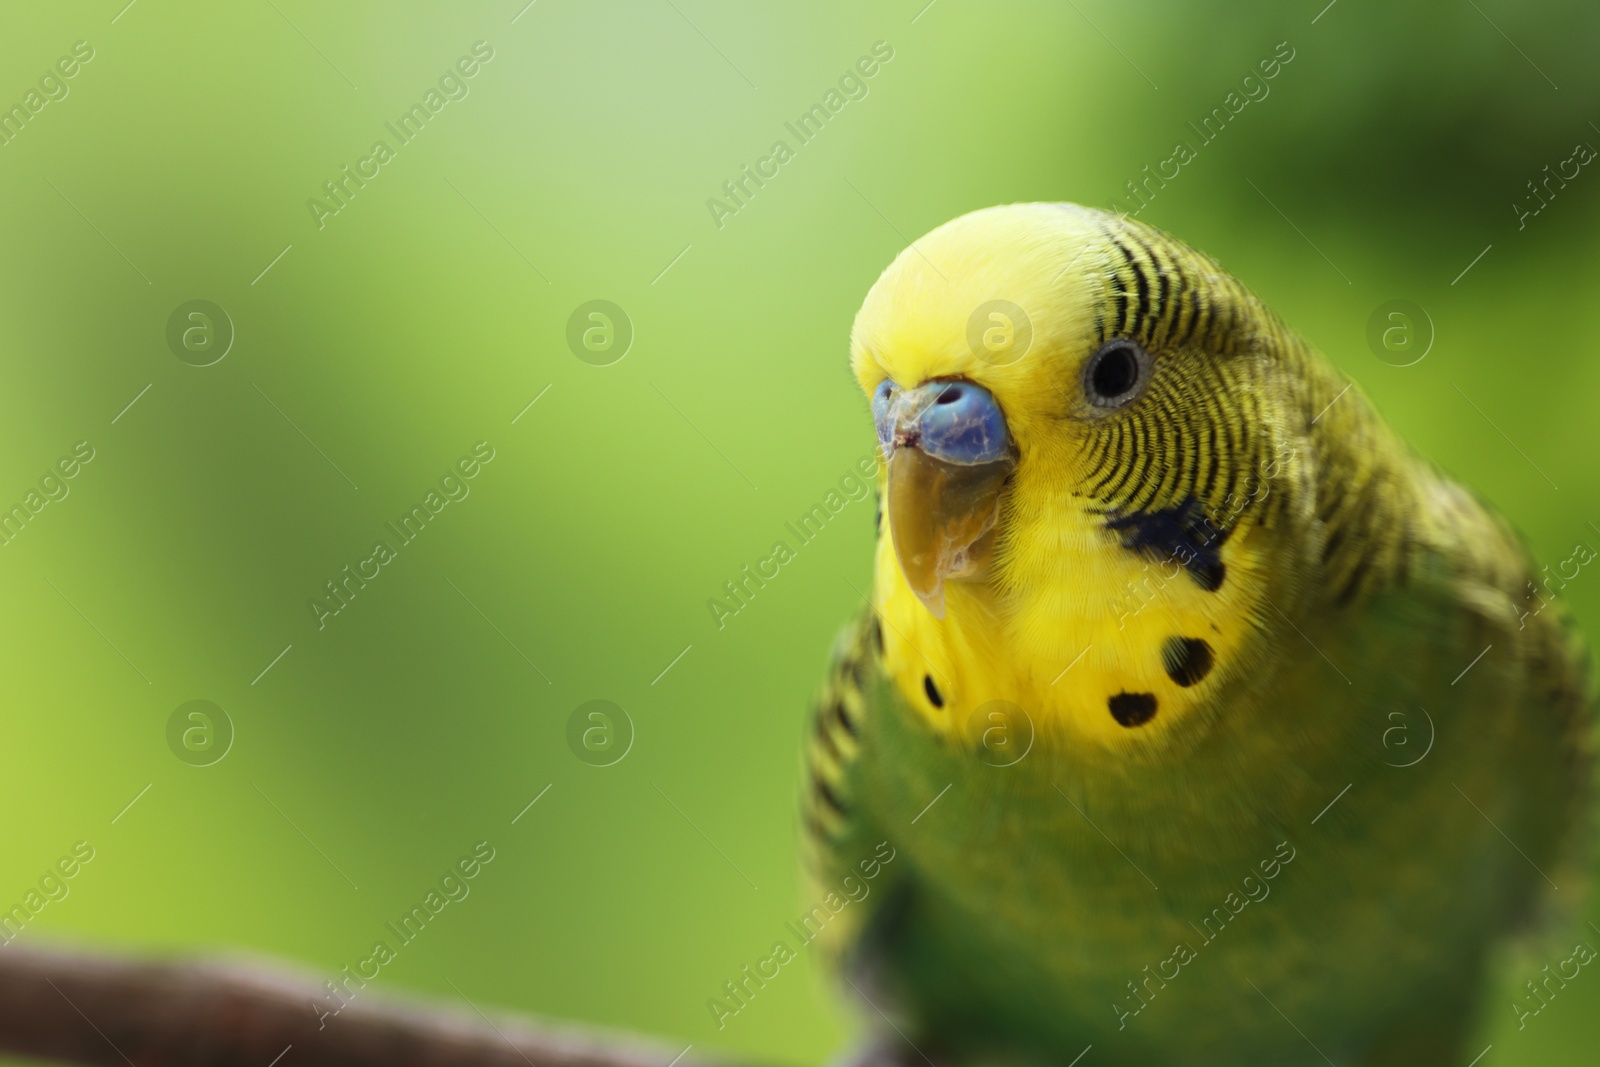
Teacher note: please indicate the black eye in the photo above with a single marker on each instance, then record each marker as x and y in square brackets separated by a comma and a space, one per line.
[1116, 374]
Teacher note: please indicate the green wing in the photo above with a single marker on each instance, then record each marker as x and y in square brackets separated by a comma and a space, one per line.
[854, 883]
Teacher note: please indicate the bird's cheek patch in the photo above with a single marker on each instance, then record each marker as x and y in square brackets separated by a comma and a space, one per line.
[1183, 535]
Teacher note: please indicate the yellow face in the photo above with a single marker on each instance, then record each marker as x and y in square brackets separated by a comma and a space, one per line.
[1127, 568]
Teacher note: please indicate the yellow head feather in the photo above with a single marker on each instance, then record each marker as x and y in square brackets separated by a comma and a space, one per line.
[1139, 546]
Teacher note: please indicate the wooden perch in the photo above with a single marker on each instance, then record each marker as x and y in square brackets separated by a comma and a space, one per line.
[85, 1009]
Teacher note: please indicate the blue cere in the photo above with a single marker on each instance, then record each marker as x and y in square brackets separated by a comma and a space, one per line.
[956, 421]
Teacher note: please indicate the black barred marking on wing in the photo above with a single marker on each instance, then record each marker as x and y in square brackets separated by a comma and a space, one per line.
[1369, 540]
[836, 736]
[1352, 584]
[824, 738]
[826, 795]
[842, 717]
[824, 814]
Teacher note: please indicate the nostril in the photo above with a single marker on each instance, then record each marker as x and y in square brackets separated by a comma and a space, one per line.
[957, 421]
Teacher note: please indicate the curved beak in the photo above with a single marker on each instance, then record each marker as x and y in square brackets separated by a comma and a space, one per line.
[949, 453]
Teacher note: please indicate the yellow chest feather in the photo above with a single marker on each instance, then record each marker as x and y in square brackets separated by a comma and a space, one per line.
[1092, 623]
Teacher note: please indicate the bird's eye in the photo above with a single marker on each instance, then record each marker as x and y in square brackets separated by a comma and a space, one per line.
[1116, 374]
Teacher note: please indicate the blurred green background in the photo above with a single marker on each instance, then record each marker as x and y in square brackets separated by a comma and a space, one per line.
[425, 315]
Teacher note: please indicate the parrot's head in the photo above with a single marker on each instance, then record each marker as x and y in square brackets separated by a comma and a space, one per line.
[1090, 487]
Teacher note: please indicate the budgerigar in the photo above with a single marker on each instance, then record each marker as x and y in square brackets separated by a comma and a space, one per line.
[1201, 721]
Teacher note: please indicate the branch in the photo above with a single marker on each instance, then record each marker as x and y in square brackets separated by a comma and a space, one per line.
[93, 1010]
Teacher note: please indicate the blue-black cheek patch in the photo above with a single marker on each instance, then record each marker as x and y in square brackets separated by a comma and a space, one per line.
[1181, 533]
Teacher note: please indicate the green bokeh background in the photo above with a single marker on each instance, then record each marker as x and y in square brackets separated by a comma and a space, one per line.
[428, 313]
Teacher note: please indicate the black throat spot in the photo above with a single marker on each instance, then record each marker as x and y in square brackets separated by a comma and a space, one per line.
[1181, 533]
